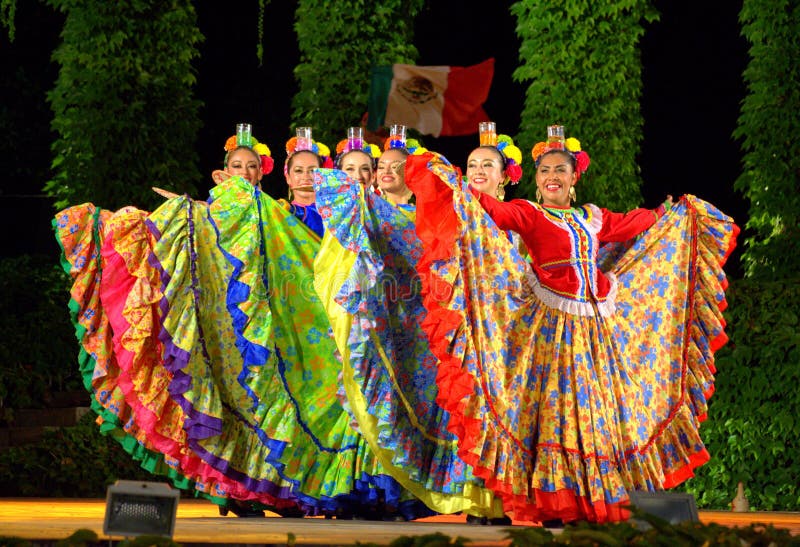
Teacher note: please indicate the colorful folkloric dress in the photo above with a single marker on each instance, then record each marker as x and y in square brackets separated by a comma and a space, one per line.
[365, 274]
[585, 374]
[233, 356]
[408, 209]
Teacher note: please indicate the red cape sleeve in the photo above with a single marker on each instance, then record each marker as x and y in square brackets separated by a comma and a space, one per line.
[517, 215]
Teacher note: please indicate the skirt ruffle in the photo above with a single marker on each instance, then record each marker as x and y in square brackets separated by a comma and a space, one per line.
[132, 297]
[80, 231]
[283, 332]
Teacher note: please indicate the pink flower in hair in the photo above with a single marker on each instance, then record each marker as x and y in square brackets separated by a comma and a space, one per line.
[582, 159]
[267, 163]
[514, 172]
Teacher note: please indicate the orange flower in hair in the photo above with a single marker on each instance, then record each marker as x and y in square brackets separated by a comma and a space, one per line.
[538, 150]
[291, 144]
[230, 144]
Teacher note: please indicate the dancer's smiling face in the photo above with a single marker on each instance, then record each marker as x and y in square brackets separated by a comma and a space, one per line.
[358, 166]
[300, 175]
[245, 163]
[391, 173]
[555, 175]
[485, 170]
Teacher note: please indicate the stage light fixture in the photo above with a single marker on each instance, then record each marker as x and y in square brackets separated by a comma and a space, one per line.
[135, 508]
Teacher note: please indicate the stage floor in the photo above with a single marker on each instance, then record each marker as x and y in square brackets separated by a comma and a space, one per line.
[199, 523]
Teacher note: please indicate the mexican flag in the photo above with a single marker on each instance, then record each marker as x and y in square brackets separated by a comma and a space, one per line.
[434, 100]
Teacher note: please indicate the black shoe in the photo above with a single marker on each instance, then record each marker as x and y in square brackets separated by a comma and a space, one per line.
[501, 521]
[240, 509]
[475, 519]
[553, 523]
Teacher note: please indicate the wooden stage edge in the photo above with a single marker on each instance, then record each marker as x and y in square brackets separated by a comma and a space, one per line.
[198, 523]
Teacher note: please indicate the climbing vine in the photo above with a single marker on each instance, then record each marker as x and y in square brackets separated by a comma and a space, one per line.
[770, 138]
[8, 9]
[338, 48]
[123, 105]
[582, 63]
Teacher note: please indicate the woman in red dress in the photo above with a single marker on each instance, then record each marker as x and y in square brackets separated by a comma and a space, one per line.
[584, 373]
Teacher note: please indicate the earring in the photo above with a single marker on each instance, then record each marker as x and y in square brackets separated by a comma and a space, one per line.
[501, 192]
[290, 194]
[572, 195]
[538, 196]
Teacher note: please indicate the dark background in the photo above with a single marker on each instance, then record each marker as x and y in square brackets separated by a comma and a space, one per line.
[693, 59]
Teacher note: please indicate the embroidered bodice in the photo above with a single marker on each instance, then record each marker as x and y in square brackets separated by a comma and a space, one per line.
[563, 244]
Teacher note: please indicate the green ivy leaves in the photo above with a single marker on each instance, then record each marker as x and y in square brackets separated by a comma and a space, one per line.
[338, 47]
[582, 65]
[769, 138]
[752, 429]
[8, 9]
[123, 104]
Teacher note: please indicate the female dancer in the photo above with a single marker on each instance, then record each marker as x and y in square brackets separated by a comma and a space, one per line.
[584, 374]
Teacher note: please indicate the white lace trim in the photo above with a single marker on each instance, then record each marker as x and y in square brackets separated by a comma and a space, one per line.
[570, 305]
[596, 223]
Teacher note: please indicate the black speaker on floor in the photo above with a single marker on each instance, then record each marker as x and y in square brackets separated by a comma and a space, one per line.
[674, 507]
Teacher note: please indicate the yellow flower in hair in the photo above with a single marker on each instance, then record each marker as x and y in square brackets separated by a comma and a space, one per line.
[373, 150]
[323, 149]
[262, 149]
[573, 144]
[513, 152]
[414, 147]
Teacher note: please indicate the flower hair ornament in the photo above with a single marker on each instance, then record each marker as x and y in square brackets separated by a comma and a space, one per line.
[355, 141]
[299, 144]
[412, 146]
[556, 141]
[513, 156]
[264, 154]
[397, 139]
